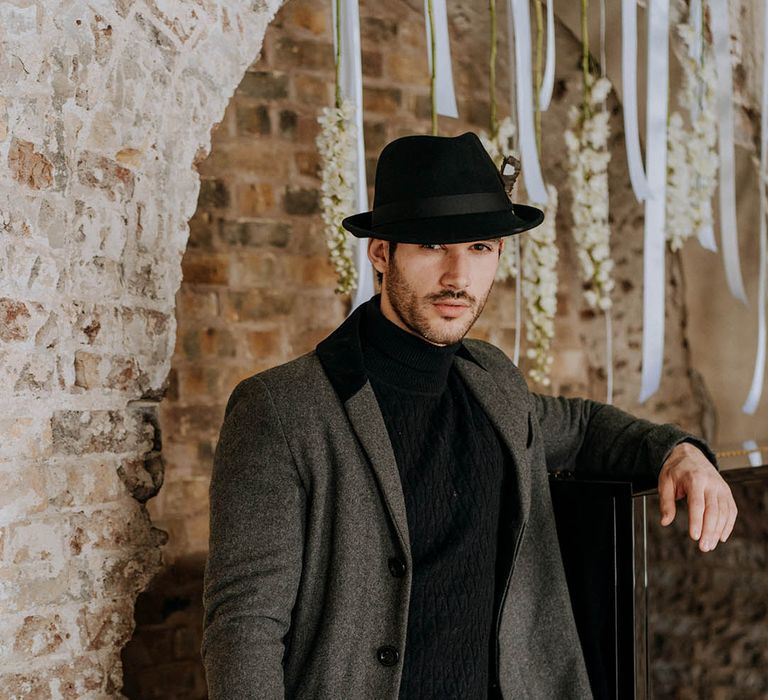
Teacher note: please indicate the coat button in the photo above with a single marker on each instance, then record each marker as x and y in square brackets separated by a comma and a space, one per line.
[387, 655]
[396, 567]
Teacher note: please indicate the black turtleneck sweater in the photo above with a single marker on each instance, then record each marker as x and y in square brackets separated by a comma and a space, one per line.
[451, 465]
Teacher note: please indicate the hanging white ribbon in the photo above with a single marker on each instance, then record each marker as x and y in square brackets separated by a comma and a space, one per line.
[531, 169]
[445, 98]
[545, 93]
[728, 230]
[656, 159]
[755, 455]
[351, 86]
[756, 389]
[608, 314]
[706, 232]
[629, 87]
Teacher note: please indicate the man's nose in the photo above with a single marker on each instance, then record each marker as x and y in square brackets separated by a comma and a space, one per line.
[456, 273]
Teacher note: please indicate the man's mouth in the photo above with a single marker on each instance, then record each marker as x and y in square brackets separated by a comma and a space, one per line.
[450, 307]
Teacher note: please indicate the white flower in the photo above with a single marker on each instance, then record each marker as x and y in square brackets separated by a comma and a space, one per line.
[336, 144]
[691, 152]
[588, 156]
[600, 90]
[539, 266]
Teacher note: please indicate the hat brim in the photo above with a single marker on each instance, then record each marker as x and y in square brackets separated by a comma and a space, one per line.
[457, 228]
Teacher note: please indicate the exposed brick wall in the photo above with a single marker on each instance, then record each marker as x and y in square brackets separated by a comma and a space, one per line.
[115, 371]
[258, 287]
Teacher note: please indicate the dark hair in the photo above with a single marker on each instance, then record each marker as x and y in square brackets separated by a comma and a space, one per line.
[392, 247]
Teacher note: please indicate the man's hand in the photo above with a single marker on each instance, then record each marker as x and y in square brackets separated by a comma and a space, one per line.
[711, 508]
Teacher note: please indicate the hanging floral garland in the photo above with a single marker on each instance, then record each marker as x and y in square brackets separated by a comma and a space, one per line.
[336, 144]
[692, 157]
[539, 267]
[588, 156]
[586, 140]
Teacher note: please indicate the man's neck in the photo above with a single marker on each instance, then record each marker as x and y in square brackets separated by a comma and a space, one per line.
[402, 359]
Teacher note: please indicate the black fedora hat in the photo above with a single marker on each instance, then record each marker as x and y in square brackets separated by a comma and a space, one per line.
[440, 189]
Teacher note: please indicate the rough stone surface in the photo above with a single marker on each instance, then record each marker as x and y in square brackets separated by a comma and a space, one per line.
[105, 109]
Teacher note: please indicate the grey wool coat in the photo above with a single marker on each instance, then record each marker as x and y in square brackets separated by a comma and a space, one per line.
[305, 592]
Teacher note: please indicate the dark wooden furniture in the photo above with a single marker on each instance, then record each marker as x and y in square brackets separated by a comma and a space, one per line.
[603, 529]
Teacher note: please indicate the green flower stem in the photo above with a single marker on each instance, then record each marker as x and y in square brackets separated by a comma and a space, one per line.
[492, 73]
[585, 108]
[433, 52]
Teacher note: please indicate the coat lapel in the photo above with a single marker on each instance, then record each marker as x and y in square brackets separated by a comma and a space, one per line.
[368, 423]
[509, 411]
[341, 356]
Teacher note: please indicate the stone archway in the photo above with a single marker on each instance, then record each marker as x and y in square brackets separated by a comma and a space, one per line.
[102, 119]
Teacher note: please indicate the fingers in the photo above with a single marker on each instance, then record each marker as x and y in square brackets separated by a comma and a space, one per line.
[695, 513]
[711, 509]
[718, 519]
[667, 500]
[722, 518]
[709, 532]
[731, 520]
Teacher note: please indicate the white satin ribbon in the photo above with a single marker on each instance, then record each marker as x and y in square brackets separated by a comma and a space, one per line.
[531, 169]
[545, 93]
[656, 159]
[755, 455]
[728, 228]
[445, 97]
[629, 83]
[755, 390]
[351, 86]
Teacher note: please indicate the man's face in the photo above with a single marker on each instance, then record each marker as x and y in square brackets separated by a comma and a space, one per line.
[436, 291]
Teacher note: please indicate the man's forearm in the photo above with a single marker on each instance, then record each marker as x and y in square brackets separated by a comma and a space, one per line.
[593, 437]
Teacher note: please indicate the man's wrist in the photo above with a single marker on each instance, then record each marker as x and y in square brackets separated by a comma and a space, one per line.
[704, 447]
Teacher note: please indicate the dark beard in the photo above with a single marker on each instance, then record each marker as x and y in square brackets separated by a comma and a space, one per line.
[406, 305]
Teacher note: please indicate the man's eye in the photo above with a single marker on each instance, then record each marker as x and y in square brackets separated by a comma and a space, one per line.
[430, 246]
[483, 246]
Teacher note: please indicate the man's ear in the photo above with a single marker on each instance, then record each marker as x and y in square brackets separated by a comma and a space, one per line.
[378, 253]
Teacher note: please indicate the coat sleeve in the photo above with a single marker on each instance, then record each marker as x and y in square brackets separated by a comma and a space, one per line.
[590, 437]
[257, 510]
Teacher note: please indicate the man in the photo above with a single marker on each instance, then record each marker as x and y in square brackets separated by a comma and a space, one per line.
[381, 525]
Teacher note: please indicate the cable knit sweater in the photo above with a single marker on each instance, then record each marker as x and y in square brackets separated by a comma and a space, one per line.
[451, 465]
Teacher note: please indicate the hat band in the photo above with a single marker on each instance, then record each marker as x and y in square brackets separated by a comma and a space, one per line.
[472, 203]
